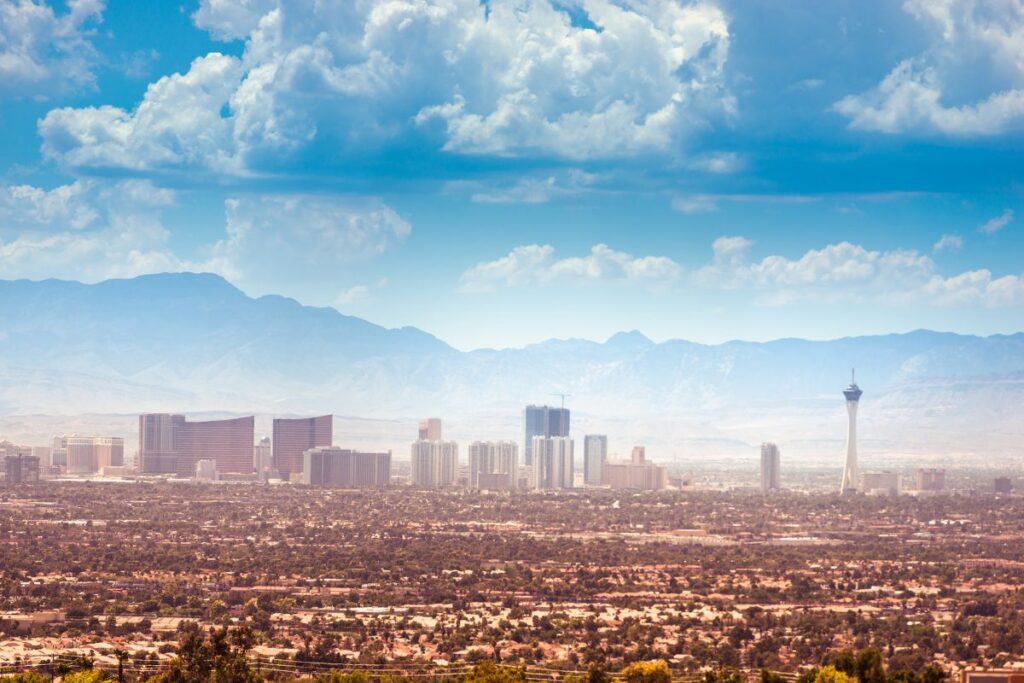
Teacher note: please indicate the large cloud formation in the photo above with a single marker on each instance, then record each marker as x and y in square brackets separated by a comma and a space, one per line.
[44, 53]
[91, 230]
[969, 82]
[320, 84]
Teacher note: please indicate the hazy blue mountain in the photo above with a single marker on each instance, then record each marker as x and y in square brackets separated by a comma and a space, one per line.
[193, 342]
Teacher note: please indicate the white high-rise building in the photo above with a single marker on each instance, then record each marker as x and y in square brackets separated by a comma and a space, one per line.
[595, 455]
[850, 478]
[771, 475]
[262, 455]
[434, 463]
[493, 464]
[552, 462]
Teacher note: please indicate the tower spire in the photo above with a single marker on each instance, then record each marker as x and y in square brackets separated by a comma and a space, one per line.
[850, 474]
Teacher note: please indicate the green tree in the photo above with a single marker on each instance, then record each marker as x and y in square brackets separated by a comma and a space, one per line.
[488, 671]
[25, 677]
[207, 658]
[869, 667]
[830, 674]
[651, 671]
[933, 673]
[86, 676]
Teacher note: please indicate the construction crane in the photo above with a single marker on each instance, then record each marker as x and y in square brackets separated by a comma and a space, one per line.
[563, 396]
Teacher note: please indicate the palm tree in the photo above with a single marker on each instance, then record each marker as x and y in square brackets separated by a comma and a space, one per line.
[121, 656]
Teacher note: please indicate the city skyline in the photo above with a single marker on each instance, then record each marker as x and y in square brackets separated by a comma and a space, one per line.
[504, 341]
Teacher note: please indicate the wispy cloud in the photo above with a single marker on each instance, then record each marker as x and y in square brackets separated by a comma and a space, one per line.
[530, 189]
[994, 225]
[358, 294]
[949, 243]
[702, 203]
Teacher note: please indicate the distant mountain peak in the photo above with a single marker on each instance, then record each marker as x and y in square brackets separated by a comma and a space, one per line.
[629, 340]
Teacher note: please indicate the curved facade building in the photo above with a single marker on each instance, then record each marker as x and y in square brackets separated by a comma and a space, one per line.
[229, 443]
[294, 436]
[170, 444]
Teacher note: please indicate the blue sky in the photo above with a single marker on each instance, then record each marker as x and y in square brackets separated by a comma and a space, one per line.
[498, 173]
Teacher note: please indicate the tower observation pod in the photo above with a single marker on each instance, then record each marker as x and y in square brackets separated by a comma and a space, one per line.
[852, 394]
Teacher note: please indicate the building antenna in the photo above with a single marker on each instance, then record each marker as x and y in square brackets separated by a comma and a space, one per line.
[564, 396]
[853, 376]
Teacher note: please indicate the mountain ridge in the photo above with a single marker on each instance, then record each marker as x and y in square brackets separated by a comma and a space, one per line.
[196, 343]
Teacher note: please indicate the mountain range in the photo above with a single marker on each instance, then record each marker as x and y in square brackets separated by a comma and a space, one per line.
[195, 343]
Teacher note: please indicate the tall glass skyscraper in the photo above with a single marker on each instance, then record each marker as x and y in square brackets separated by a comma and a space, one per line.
[542, 421]
[595, 455]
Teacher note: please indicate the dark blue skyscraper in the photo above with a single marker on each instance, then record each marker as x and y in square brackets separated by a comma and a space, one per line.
[542, 421]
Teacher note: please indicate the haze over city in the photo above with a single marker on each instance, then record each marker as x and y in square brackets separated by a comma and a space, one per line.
[495, 341]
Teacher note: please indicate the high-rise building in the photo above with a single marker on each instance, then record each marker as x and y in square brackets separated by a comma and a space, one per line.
[1002, 485]
[158, 448]
[595, 455]
[59, 452]
[636, 473]
[852, 394]
[170, 444]
[552, 462]
[430, 429]
[228, 443]
[21, 468]
[771, 473]
[262, 455]
[293, 437]
[931, 479]
[44, 455]
[543, 421]
[434, 463]
[88, 454]
[493, 464]
[880, 483]
[332, 466]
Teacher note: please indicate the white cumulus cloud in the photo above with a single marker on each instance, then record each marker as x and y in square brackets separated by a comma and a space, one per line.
[44, 53]
[85, 230]
[536, 264]
[969, 82]
[297, 237]
[851, 272]
[92, 230]
[320, 83]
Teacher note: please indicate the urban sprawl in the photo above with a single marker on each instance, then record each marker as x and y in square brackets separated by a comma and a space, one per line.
[514, 564]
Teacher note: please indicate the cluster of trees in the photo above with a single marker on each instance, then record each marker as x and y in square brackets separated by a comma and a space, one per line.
[162, 553]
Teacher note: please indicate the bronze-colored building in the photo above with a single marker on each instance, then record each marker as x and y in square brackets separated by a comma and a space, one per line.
[294, 436]
[170, 444]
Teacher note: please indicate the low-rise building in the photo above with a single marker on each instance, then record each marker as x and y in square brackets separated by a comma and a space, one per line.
[636, 473]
